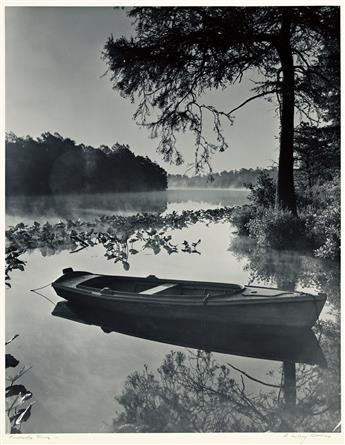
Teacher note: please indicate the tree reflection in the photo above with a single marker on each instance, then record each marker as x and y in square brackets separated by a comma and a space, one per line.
[319, 389]
[192, 392]
[288, 269]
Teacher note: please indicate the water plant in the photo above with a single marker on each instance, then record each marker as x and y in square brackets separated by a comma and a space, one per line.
[121, 236]
[18, 409]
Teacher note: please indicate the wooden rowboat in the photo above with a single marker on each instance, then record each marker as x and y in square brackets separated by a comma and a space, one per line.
[190, 300]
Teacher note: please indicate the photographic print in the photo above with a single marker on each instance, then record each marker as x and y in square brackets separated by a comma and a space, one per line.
[172, 227]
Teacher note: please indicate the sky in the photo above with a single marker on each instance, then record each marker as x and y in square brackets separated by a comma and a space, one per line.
[54, 82]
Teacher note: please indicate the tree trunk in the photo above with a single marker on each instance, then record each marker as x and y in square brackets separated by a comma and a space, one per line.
[285, 198]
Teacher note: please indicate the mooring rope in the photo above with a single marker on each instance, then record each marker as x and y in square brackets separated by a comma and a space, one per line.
[39, 293]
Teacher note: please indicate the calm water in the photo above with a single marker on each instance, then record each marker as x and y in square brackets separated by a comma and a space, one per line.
[79, 376]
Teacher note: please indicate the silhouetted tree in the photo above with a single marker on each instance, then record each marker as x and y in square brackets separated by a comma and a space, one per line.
[317, 154]
[318, 146]
[53, 164]
[179, 53]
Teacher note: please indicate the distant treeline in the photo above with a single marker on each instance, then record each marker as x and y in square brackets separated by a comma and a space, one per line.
[226, 179]
[52, 164]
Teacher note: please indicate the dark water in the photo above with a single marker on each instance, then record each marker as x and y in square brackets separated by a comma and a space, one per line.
[147, 376]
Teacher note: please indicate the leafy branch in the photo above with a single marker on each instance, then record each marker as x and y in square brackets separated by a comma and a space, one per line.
[17, 396]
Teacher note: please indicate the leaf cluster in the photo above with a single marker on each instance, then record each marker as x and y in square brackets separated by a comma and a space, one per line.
[17, 409]
[121, 236]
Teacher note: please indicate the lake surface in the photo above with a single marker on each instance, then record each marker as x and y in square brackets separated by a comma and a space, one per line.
[85, 380]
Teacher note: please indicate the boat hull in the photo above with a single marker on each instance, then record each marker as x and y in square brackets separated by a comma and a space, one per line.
[300, 311]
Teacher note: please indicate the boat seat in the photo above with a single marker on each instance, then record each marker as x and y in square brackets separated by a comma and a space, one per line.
[156, 289]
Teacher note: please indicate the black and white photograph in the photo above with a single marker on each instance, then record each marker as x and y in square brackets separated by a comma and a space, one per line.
[172, 221]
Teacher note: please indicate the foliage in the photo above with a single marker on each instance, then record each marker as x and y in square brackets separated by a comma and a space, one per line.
[262, 194]
[225, 179]
[17, 409]
[52, 164]
[317, 230]
[322, 219]
[279, 229]
[317, 227]
[317, 144]
[324, 85]
[121, 236]
[240, 218]
[317, 155]
[326, 194]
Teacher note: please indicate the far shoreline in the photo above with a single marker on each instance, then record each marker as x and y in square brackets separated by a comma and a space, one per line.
[237, 189]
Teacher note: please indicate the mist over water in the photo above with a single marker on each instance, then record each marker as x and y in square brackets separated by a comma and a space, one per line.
[86, 206]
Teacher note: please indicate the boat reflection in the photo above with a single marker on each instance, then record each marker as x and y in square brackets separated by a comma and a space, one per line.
[286, 345]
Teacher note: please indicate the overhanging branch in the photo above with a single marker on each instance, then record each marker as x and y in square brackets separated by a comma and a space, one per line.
[265, 93]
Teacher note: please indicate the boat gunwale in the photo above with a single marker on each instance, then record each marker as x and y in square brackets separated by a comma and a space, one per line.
[171, 280]
[294, 298]
[192, 283]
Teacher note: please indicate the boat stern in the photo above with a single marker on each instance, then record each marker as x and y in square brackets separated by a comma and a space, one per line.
[70, 279]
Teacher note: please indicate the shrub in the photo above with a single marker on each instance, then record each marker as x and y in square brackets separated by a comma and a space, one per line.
[323, 230]
[317, 227]
[279, 229]
[326, 194]
[240, 218]
[262, 194]
[322, 219]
